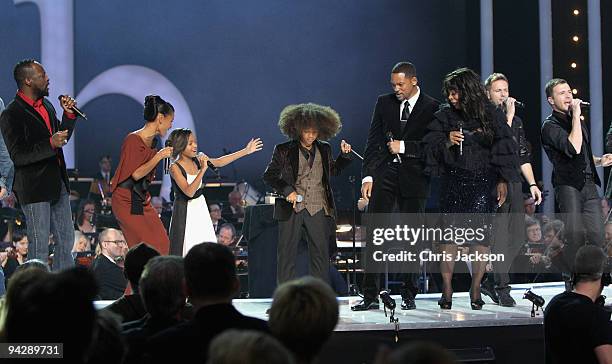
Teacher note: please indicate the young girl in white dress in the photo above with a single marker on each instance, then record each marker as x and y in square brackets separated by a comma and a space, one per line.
[191, 223]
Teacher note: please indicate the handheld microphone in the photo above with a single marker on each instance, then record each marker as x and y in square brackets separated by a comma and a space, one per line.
[209, 164]
[167, 160]
[390, 139]
[585, 103]
[74, 108]
[517, 103]
[461, 142]
[298, 198]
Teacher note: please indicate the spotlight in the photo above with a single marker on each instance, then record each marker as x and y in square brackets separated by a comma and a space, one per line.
[576, 12]
[537, 301]
[575, 38]
[573, 65]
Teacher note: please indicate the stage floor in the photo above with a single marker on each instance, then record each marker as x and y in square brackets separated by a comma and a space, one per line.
[428, 315]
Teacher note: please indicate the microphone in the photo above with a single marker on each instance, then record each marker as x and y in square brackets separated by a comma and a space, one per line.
[461, 142]
[390, 139]
[167, 160]
[209, 164]
[517, 103]
[298, 198]
[585, 103]
[74, 108]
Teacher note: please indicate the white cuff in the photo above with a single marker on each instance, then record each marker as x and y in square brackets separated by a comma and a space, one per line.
[367, 179]
[402, 147]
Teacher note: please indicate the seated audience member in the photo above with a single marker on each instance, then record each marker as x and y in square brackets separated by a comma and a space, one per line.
[109, 345]
[109, 275]
[130, 307]
[8, 261]
[577, 329]
[20, 245]
[227, 235]
[215, 217]
[85, 217]
[101, 181]
[161, 289]
[247, 347]
[234, 211]
[41, 310]
[211, 282]
[303, 316]
[81, 243]
[530, 206]
[416, 353]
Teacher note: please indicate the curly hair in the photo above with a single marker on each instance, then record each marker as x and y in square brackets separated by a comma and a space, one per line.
[472, 96]
[295, 118]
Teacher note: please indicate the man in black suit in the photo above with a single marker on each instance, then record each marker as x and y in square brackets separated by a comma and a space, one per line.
[211, 282]
[34, 138]
[393, 166]
[300, 170]
[110, 277]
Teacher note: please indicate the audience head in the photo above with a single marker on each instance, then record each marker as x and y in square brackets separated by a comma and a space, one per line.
[112, 243]
[215, 212]
[227, 234]
[534, 231]
[135, 260]
[20, 242]
[418, 353]
[87, 210]
[36, 264]
[234, 198]
[38, 312]
[108, 345]
[161, 286]
[81, 243]
[210, 272]
[529, 205]
[303, 316]
[247, 347]
[553, 233]
[589, 264]
[105, 163]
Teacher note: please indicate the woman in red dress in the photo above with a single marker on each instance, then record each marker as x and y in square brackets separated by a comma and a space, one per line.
[131, 201]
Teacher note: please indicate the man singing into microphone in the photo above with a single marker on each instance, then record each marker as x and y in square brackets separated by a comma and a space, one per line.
[510, 223]
[300, 170]
[566, 141]
[34, 138]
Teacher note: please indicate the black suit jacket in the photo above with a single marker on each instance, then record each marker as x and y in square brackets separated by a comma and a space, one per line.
[412, 181]
[40, 170]
[110, 278]
[281, 173]
[188, 342]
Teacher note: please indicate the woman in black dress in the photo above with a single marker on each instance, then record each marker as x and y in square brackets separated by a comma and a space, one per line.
[471, 148]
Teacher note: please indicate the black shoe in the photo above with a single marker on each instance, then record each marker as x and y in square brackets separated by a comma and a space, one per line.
[505, 300]
[408, 303]
[488, 289]
[268, 312]
[477, 304]
[365, 304]
[444, 303]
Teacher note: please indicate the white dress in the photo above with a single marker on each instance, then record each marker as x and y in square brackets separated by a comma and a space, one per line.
[198, 225]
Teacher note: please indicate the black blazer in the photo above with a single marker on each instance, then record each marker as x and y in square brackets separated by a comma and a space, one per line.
[38, 173]
[412, 181]
[110, 278]
[282, 171]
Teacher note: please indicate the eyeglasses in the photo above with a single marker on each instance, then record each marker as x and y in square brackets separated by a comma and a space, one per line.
[118, 242]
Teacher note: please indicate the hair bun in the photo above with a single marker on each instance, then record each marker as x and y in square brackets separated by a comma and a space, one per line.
[150, 107]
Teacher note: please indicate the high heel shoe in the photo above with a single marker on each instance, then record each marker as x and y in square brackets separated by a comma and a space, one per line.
[444, 303]
[477, 304]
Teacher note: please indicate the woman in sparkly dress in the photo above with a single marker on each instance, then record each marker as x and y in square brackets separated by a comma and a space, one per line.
[471, 148]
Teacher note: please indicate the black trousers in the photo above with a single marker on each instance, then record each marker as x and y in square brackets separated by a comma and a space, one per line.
[385, 195]
[581, 213]
[509, 234]
[315, 230]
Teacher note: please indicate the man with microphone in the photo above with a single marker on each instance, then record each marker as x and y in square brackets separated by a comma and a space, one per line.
[34, 138]
[566, 141]
[393, 165]
[300, 170]
[510, 218]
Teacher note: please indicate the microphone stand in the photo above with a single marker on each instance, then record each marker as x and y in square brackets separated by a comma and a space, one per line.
[352, 287]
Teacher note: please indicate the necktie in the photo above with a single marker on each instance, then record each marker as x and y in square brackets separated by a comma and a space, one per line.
[405, 115]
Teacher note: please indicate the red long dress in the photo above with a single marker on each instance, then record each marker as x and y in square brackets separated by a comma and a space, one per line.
[137, 228]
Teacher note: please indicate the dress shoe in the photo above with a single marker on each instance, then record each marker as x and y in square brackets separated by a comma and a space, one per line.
[477, 304]
[366, 304]
[488, 289]
[444, 303]
[505, 300]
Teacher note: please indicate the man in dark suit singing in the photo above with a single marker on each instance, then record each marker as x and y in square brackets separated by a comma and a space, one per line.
[393, 167]
[34, 138]
[300, 170]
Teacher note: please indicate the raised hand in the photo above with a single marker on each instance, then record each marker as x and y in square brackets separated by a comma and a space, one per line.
[254, 145]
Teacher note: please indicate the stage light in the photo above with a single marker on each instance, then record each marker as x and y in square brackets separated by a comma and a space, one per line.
[575, 38]
[573, 65]
[576, 12]
[574, 91]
